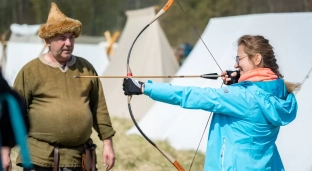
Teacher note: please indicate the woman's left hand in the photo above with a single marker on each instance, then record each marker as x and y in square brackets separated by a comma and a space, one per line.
[132, 86]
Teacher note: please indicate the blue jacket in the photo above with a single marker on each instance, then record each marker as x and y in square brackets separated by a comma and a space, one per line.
[246, 121]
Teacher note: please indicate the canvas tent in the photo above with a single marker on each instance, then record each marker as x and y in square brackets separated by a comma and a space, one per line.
[25, 33]
[2, 49]
[151, 55]
[290, 35]
[1, 54]
[24, 45]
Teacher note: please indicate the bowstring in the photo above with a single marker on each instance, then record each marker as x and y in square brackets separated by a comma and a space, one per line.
[198, 34]
[218, 67]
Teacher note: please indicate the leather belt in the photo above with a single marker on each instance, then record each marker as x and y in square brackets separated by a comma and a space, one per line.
[89, 164]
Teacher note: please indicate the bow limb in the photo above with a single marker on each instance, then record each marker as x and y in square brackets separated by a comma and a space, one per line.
[163, 10]
[176, 164]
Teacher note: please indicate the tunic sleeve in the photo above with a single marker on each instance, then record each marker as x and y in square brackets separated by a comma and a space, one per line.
[23, 86]
[101, 119]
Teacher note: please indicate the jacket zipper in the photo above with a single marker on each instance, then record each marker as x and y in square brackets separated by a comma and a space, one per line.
[222, 155]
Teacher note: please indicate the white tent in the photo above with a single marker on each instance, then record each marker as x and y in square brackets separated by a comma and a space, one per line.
[25, 33]
[290, 35]
[20, 40]
[25, 45]
[151, 55]
[1, 55]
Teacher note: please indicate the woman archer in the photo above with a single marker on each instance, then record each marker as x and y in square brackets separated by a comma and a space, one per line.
[247, 115]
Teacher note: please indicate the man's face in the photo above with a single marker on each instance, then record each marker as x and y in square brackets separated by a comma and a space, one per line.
[62, 46]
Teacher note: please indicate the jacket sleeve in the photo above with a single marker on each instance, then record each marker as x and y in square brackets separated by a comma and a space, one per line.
[231, 100]
[101, 119]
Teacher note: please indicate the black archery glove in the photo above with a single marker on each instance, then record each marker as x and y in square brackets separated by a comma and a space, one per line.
[234, 79]
[132, 86]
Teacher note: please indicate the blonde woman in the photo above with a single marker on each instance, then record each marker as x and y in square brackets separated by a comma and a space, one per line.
[247, 115]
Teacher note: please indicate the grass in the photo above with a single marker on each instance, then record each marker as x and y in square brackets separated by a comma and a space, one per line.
[134, 153]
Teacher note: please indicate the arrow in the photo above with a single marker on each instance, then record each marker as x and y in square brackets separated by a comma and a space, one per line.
[213, 76]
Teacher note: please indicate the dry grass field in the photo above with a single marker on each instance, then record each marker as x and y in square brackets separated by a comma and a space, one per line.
[134, 153]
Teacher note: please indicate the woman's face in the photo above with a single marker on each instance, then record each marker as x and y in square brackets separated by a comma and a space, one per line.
[242, 61]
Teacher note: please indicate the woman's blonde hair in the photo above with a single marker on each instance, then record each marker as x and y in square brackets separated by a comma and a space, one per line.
[258, 44]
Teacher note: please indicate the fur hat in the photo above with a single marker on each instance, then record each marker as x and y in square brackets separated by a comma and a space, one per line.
[59, 23]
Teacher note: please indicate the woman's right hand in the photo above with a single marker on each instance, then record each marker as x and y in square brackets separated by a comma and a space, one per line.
[230, 79]
[225, 77]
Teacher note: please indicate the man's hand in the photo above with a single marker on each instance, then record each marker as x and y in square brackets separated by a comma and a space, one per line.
[6, 161]
[108, 154]
[132, 86]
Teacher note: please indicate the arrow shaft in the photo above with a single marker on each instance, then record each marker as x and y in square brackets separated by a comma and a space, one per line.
[154, 76]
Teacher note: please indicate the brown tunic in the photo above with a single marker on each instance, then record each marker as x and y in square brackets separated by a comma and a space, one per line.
[62, 109]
